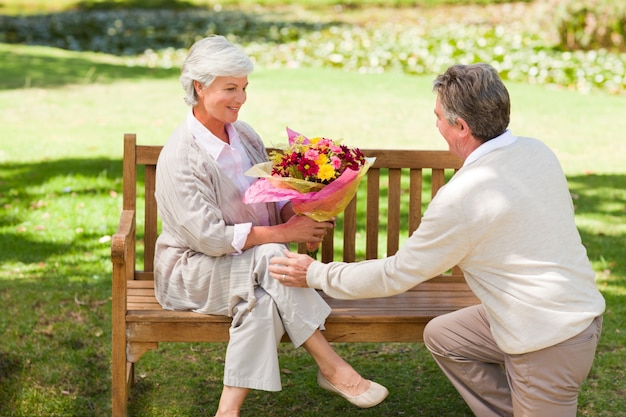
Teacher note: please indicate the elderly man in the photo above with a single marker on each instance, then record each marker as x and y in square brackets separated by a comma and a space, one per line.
[506, 219]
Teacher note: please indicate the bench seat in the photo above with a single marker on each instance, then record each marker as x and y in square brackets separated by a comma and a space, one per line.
[400, 318]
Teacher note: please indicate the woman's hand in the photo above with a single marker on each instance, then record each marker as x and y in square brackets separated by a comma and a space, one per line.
[302, 229]
[298, 229]
[291, 269]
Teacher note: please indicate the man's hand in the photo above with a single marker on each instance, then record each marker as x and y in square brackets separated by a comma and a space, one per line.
[291, 269]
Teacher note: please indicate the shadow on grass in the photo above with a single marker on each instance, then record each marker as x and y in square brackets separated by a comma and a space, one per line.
[20, 181]
[11, 365]
[26, 188]
[55, 348]
[602, 197]
[55, 286]
[24, 67]
[37, 250]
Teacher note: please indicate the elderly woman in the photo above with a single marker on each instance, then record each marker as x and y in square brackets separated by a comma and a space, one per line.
[213, 253]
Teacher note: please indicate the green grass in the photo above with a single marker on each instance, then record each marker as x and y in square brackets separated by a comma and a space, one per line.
[61, 126]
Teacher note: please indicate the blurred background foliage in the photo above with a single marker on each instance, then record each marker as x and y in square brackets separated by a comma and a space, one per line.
[576, 44]
[591, 24]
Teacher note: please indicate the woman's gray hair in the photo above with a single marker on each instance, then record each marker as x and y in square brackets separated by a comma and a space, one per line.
[476, 94]
[210, 57]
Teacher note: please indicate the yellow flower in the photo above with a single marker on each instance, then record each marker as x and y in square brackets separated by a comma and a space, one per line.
[322, 159]
[326, 172]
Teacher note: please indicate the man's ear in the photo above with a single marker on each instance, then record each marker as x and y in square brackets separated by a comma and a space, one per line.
[461, 122]
[463, 126]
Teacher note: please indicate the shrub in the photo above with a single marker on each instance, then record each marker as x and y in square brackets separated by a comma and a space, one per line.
[591, 24]
[133, 31]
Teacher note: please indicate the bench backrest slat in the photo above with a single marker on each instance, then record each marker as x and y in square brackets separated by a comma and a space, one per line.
[150, 218]
[392, 166]
[393, 209]
[373, 213]
[415, 198]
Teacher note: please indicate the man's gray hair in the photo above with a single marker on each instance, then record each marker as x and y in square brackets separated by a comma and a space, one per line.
[476, 94]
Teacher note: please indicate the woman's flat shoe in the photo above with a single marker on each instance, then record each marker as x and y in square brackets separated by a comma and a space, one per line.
[374, 395]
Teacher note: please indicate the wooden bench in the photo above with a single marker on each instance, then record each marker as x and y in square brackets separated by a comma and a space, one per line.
[139, 322]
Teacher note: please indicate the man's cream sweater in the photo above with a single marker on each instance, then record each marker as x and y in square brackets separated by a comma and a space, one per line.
[507, 221]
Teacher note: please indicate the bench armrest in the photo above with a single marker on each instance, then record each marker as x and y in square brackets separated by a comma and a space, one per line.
[123, 241]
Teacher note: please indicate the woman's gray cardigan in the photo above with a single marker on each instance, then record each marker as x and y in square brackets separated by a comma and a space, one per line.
[195, 268]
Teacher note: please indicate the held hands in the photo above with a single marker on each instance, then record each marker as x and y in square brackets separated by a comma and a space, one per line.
[291, 269]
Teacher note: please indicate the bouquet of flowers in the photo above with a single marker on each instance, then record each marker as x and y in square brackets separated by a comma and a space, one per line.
[319, 175]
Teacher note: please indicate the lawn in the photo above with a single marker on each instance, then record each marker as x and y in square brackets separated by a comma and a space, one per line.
[61, 126]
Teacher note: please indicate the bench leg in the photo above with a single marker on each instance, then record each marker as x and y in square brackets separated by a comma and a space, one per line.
[120, 384]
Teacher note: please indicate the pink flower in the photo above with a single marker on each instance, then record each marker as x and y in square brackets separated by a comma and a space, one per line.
[311, 154]
[336, 148]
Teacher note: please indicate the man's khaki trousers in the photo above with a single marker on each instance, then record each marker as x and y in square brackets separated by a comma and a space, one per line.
[544, 383]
